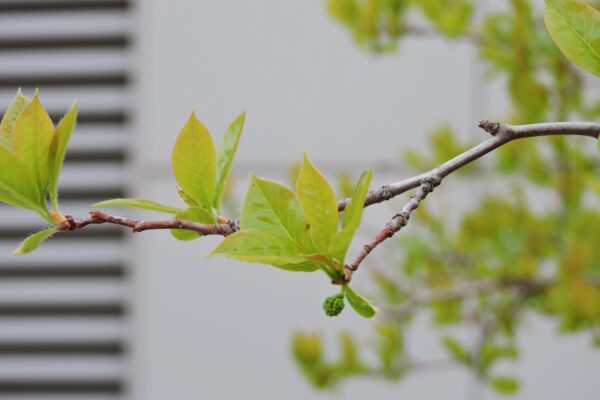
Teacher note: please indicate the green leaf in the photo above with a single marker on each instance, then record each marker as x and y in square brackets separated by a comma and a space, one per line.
[351, 219]
[18, 186]
[575, 28]
[456, 350]
[361, 305]
[318, 204]
[58, 150]
[33, 133]
[194, 163]
[8, 121]
[505, 385]
[272, 207]
[138, 203]
[32, 242]
[264, 247]
[225, 153]
[194, 214]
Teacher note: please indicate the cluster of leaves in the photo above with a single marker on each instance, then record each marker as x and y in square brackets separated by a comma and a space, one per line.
[299, 231]
[32, 151]
[539, 259]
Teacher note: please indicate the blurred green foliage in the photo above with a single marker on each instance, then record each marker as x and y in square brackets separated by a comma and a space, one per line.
[526, 246]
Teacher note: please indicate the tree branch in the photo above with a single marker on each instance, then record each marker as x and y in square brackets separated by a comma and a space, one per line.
[98, 217]
[501, 134]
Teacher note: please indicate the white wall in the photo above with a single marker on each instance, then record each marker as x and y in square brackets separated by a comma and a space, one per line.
[218, 329]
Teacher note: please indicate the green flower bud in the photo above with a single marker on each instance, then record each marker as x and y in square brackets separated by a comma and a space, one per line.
[333, 305]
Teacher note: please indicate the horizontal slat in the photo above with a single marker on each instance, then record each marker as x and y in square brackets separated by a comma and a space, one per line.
[60, 254]
[61, 290]
[75, 329]
[61, 396]
[82, 79]
[90, 100]
[61, 368]
[84, 270]
[28, 349]
[66, 62]
[95, 386]
[108, 41]
[74, 23]
[58, 309]
[98, 176]
[11, 6]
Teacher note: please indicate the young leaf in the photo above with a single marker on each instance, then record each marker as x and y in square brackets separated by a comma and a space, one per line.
[8, 121]
[361, 305]
[194, 214]
[33, 132]
[575, 28]
[351, 219]
[505, 385]
[456, 350]
[18, 186]
[137, 203]
[272, 207]
[319, 205]
[225, 153]
[194, 163]
[264, 247]
[32, 242]
[187, 199]
[58, 150]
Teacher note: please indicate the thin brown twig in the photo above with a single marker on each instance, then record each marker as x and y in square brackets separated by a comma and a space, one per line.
[99, 217]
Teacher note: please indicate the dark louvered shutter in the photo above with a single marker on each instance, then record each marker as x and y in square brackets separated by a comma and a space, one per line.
[63, 308]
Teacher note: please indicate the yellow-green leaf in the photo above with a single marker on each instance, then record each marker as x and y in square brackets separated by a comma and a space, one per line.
[138, 203]
[361, 305]
[18, 186]
[64, 129]
[575, 28]
[505, 385]
[9, 118]
[33, 132]
[351, 219]
[187, 199]
[318, 204]
[225, 153]
[272, 207]
[264, 247]
[194, 163]
[194, 214]
[32, 242]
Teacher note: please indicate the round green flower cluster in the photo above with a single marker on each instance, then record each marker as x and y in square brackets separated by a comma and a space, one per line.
[333, 305]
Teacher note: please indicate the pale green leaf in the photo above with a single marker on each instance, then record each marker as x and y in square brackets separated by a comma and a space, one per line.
[575, 28]
[264, 247]
[32, 242]
[58, 149]
[361, 305]
[272, 207]
[9, 118]
[456, 350]
[194, 163]
[18, 186]
[318, 204]
[225, 153]
[194, 214]
[138, 203]
[33, 133]
[351, 219]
